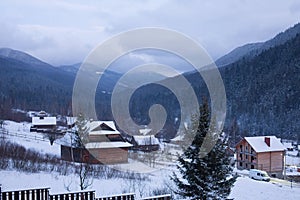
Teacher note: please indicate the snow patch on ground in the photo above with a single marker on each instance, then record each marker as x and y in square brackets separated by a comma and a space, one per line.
[246, 188]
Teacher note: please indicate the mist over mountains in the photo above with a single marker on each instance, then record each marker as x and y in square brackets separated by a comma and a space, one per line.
[261, 82]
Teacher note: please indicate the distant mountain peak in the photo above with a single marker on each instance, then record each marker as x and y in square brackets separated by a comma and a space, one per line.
[253, 49]
[21, 56]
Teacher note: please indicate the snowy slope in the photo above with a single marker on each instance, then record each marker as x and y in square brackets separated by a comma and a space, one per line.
[20, 134]
[245, 188]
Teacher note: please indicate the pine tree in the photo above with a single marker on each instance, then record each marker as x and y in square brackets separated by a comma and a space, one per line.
[204, 177]
[82, 132]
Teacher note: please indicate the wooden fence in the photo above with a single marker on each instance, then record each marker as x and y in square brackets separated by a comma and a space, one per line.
[30, 194]
[160, 197]
[87, 195]
[128, 196]
[43, 194]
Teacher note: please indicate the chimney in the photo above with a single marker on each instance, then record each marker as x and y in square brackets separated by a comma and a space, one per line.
[268, 141]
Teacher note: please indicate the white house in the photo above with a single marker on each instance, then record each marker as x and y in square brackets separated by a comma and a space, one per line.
[43, 123]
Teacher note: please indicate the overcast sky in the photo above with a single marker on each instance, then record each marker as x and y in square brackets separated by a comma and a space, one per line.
[65, 31]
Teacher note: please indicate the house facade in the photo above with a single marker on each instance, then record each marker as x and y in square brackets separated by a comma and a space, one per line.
[146, 143]
[105, 146]
[43, 123]
[106, 143]
[263, 152]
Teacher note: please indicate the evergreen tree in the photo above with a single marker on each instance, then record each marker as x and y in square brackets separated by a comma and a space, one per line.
[204, 177]
[82, 131]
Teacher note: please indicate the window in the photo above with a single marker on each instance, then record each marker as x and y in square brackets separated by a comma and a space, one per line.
[241, 147]
[246, 156]
[241, 164]
[246, 165]
[252, 166]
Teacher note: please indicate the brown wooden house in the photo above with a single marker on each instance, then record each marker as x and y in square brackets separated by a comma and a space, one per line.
[106, 143]
[262, 152]
[105, 146]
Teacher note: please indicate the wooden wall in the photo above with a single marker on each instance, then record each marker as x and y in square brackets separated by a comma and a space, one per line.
[267, 161]
[270, 161]
[110, 155]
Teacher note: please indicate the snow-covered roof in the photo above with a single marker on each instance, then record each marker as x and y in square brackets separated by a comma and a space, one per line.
[287, 145]
[94, 124]
[145, 139]
[98, 128]
[145, 131]
[104, 132]
[104, 145]
[259, 145]
[43, 120]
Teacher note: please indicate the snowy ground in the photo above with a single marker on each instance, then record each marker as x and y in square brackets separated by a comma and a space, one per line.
[20, 134]
[245, 188]
[12, 180]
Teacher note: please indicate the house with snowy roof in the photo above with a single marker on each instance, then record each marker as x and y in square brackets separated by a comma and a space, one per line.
[106, 143]
[145, 143]
[263, 153]
[42, 123]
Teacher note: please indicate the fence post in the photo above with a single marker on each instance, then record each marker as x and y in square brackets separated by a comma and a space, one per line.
[0, 192]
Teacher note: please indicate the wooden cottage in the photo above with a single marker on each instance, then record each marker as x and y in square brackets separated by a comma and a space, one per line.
[146, 143]
[43, 123]
[263, 153]
[106, 143]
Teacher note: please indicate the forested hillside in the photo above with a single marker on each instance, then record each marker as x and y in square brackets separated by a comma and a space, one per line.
[33, 87]
[262, 90]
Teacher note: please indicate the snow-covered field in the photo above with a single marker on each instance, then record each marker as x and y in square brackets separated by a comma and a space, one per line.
[12, 180]
[245, 188]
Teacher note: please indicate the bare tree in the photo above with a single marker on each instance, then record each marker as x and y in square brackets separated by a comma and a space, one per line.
[81, 138]
[2, 123]
[85, 179]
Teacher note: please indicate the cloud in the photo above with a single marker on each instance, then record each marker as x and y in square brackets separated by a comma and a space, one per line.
[64, 31]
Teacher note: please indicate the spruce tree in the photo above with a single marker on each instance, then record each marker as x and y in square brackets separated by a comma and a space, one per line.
[208, 177]
[82, 131]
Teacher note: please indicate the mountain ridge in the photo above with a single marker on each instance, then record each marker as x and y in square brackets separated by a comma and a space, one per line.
[262, 90]
[248, 51]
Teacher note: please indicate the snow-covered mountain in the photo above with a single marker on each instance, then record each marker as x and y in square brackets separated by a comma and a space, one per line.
[21, 56]
[253, 49]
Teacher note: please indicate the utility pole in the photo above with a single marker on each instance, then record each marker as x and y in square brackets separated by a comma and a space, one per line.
[284, 165]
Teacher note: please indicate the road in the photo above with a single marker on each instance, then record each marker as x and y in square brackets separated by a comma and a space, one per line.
[284, 182]
[276, 181]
